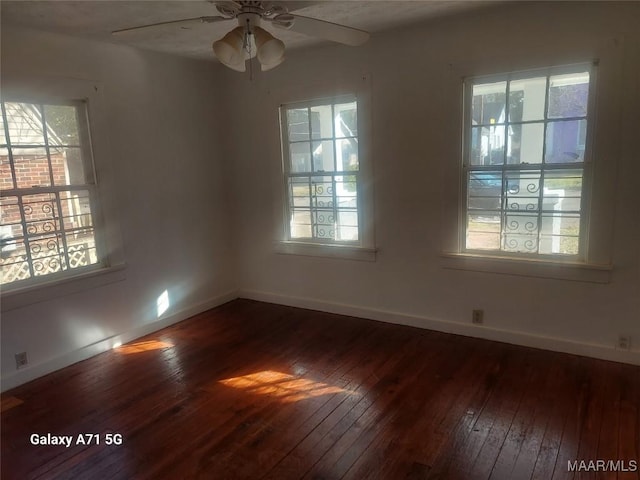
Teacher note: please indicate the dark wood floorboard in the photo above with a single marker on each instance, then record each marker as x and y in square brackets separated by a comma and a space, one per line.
[251, 390]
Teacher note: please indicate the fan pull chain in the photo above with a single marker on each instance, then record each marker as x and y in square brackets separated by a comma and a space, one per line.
[247, 42]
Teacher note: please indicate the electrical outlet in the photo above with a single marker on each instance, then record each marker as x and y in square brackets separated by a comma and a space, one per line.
[21, 359]
[477, 317]
[624, 342]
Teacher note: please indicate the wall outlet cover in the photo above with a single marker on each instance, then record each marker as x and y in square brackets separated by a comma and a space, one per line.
[21, 359]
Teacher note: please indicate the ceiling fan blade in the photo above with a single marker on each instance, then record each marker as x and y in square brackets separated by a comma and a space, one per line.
[184, 23]
[294, 5]
[327, 30]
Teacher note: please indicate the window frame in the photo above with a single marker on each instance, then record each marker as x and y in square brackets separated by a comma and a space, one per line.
[288, 174]
[355, 84]
[53, 89]
[586, 165]
[89, 184]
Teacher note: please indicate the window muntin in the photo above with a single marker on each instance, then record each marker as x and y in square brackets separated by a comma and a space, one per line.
[524, 163]
[322, 171]
[47, 219]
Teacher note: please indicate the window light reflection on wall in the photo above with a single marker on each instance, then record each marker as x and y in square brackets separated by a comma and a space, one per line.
[163, 303]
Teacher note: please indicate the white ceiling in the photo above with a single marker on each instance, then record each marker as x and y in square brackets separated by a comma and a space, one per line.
[97, 19]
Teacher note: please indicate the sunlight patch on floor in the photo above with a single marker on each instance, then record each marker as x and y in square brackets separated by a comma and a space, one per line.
[287, 388]
[142, 347]
[10, 402]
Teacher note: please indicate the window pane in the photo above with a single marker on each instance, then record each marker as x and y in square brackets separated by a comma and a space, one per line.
[347, 228]
[489, 103]
[487, 145]
[11, 233]
[76, 209]
[40, 213]
[523, 191]
[560, 234]
[299, 193]
[526, 99]
[323, 156]
[25, 124]
[62, 125]
[520, 232]
[479, 147]
[9, 211]
[483, 232]
[298, 124]
[346, 119]
[321, 124]
[568, 95]
[68, 166]
[322, 192]
[565, 142]
[485, 191]
[300, 225]
[525, 143]
[347, 154]
[323, 223]
[14, 262]
[300, 154]
[563, 191]
[81, 248]
[59, 165]
[347, 192]
[6, 176]
[31, 167]
[47, 254]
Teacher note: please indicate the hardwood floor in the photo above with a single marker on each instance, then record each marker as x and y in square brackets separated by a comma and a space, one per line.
[258, 391]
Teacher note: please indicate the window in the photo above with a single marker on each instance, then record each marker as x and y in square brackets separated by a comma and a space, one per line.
[322, 171]
[48, 222]
[525, 163]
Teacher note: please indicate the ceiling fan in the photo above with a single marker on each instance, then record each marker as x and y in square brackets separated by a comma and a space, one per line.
[250, 40]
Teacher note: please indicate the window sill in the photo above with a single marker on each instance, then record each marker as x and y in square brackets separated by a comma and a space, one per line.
[41, 292]
[573, 271]
[328, 251]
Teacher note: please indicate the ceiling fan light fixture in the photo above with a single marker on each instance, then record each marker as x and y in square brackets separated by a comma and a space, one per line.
[264, 66]
[248, 40]
[229, 49]
[270, 49]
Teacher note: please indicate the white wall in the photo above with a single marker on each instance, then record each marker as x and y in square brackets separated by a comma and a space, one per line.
[164, 181]
[416, 142]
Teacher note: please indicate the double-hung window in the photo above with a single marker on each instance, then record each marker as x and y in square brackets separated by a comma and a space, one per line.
[48, 191]
[526, 162]
[322, 171]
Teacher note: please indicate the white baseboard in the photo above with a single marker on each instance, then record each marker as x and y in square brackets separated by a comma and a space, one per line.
[32, 372]
[517, 338]
[469, 330]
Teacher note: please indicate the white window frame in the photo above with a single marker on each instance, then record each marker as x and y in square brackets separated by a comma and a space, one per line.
[40, 89]
[364, 249]
[288, 174]
[610, 90]
[89, 185]
[586, 166]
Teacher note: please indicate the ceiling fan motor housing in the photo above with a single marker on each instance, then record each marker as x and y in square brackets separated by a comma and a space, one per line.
[249, 20]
